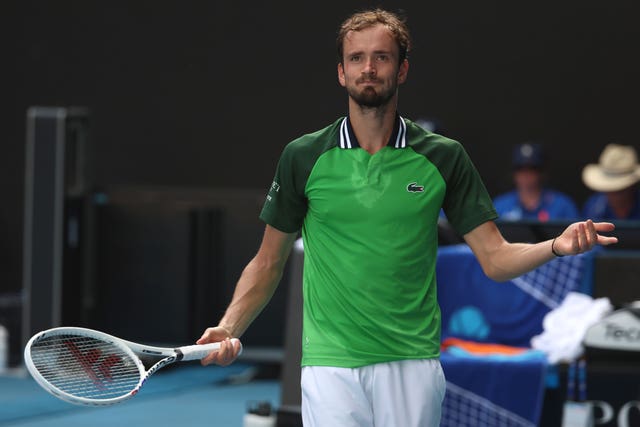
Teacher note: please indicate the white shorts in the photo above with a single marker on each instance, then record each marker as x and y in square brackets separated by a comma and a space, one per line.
[405, 393]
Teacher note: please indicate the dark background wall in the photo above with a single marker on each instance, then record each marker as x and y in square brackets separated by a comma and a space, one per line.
[204, 94]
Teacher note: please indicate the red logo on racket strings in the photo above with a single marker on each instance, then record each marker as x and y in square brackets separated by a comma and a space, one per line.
[97, 368]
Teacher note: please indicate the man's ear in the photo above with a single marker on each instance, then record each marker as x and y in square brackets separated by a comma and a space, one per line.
[403, 71]
[341, 75]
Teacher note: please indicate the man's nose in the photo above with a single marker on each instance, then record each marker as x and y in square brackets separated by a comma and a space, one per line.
[369, 66]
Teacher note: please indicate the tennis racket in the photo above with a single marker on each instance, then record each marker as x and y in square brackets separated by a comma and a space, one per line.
[88, 367]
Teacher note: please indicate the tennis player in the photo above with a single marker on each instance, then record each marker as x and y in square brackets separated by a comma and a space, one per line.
[366, 192]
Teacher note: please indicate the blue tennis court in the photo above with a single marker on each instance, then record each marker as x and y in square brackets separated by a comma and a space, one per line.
[184, 395]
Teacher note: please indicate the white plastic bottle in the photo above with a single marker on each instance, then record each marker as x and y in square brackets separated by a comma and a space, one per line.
[4, 350]
[259, 414]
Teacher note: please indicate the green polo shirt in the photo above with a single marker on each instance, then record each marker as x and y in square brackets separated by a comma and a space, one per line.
[369, 228]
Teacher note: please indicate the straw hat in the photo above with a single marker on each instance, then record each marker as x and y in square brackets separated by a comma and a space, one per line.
[616, 169]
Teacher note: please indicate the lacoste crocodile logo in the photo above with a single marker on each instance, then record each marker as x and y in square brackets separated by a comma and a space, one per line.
[415, 188]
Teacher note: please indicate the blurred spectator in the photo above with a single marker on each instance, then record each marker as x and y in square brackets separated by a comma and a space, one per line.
[614, 178]
[531, 199]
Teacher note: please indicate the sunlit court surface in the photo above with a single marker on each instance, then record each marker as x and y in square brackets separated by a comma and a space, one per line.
[185, 395]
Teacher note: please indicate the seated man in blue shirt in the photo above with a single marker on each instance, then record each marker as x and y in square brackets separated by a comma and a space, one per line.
[615, 179]
[530, 199]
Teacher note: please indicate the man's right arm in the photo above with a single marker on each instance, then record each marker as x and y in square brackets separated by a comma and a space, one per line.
[253, 291]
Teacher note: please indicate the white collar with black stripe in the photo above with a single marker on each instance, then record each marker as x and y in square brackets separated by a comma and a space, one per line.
[347, 138]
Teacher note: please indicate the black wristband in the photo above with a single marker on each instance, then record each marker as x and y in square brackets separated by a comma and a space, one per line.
[553, 251]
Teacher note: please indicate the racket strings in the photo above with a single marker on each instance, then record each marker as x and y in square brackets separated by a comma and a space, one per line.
[85, 367]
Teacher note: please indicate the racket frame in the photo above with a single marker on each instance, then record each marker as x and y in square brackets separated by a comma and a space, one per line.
[131, 349]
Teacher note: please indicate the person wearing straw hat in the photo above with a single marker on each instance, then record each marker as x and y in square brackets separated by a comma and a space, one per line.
[615, 179]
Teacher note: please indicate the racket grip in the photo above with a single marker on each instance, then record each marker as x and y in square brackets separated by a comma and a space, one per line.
[200, 351]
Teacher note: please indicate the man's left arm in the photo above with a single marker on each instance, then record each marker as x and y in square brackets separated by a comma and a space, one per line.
[501, 260]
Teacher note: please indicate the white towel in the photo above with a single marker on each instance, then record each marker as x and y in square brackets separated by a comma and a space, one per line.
[565, 326]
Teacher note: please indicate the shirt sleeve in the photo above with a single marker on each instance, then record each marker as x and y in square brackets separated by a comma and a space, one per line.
[467, 202]
[286, 205]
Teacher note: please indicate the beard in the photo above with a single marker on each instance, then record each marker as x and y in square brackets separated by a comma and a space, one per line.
[369, 97]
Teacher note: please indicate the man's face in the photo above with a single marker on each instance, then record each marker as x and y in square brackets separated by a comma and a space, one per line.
[528, 178]
[621, 197]
[370, 70]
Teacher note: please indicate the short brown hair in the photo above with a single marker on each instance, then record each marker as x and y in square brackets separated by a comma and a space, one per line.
[368, 18]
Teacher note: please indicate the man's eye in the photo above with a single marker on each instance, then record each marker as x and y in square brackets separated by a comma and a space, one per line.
[355, 58]
[383, 58]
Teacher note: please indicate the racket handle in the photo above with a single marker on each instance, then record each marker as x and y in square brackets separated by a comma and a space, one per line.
[200, 351]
